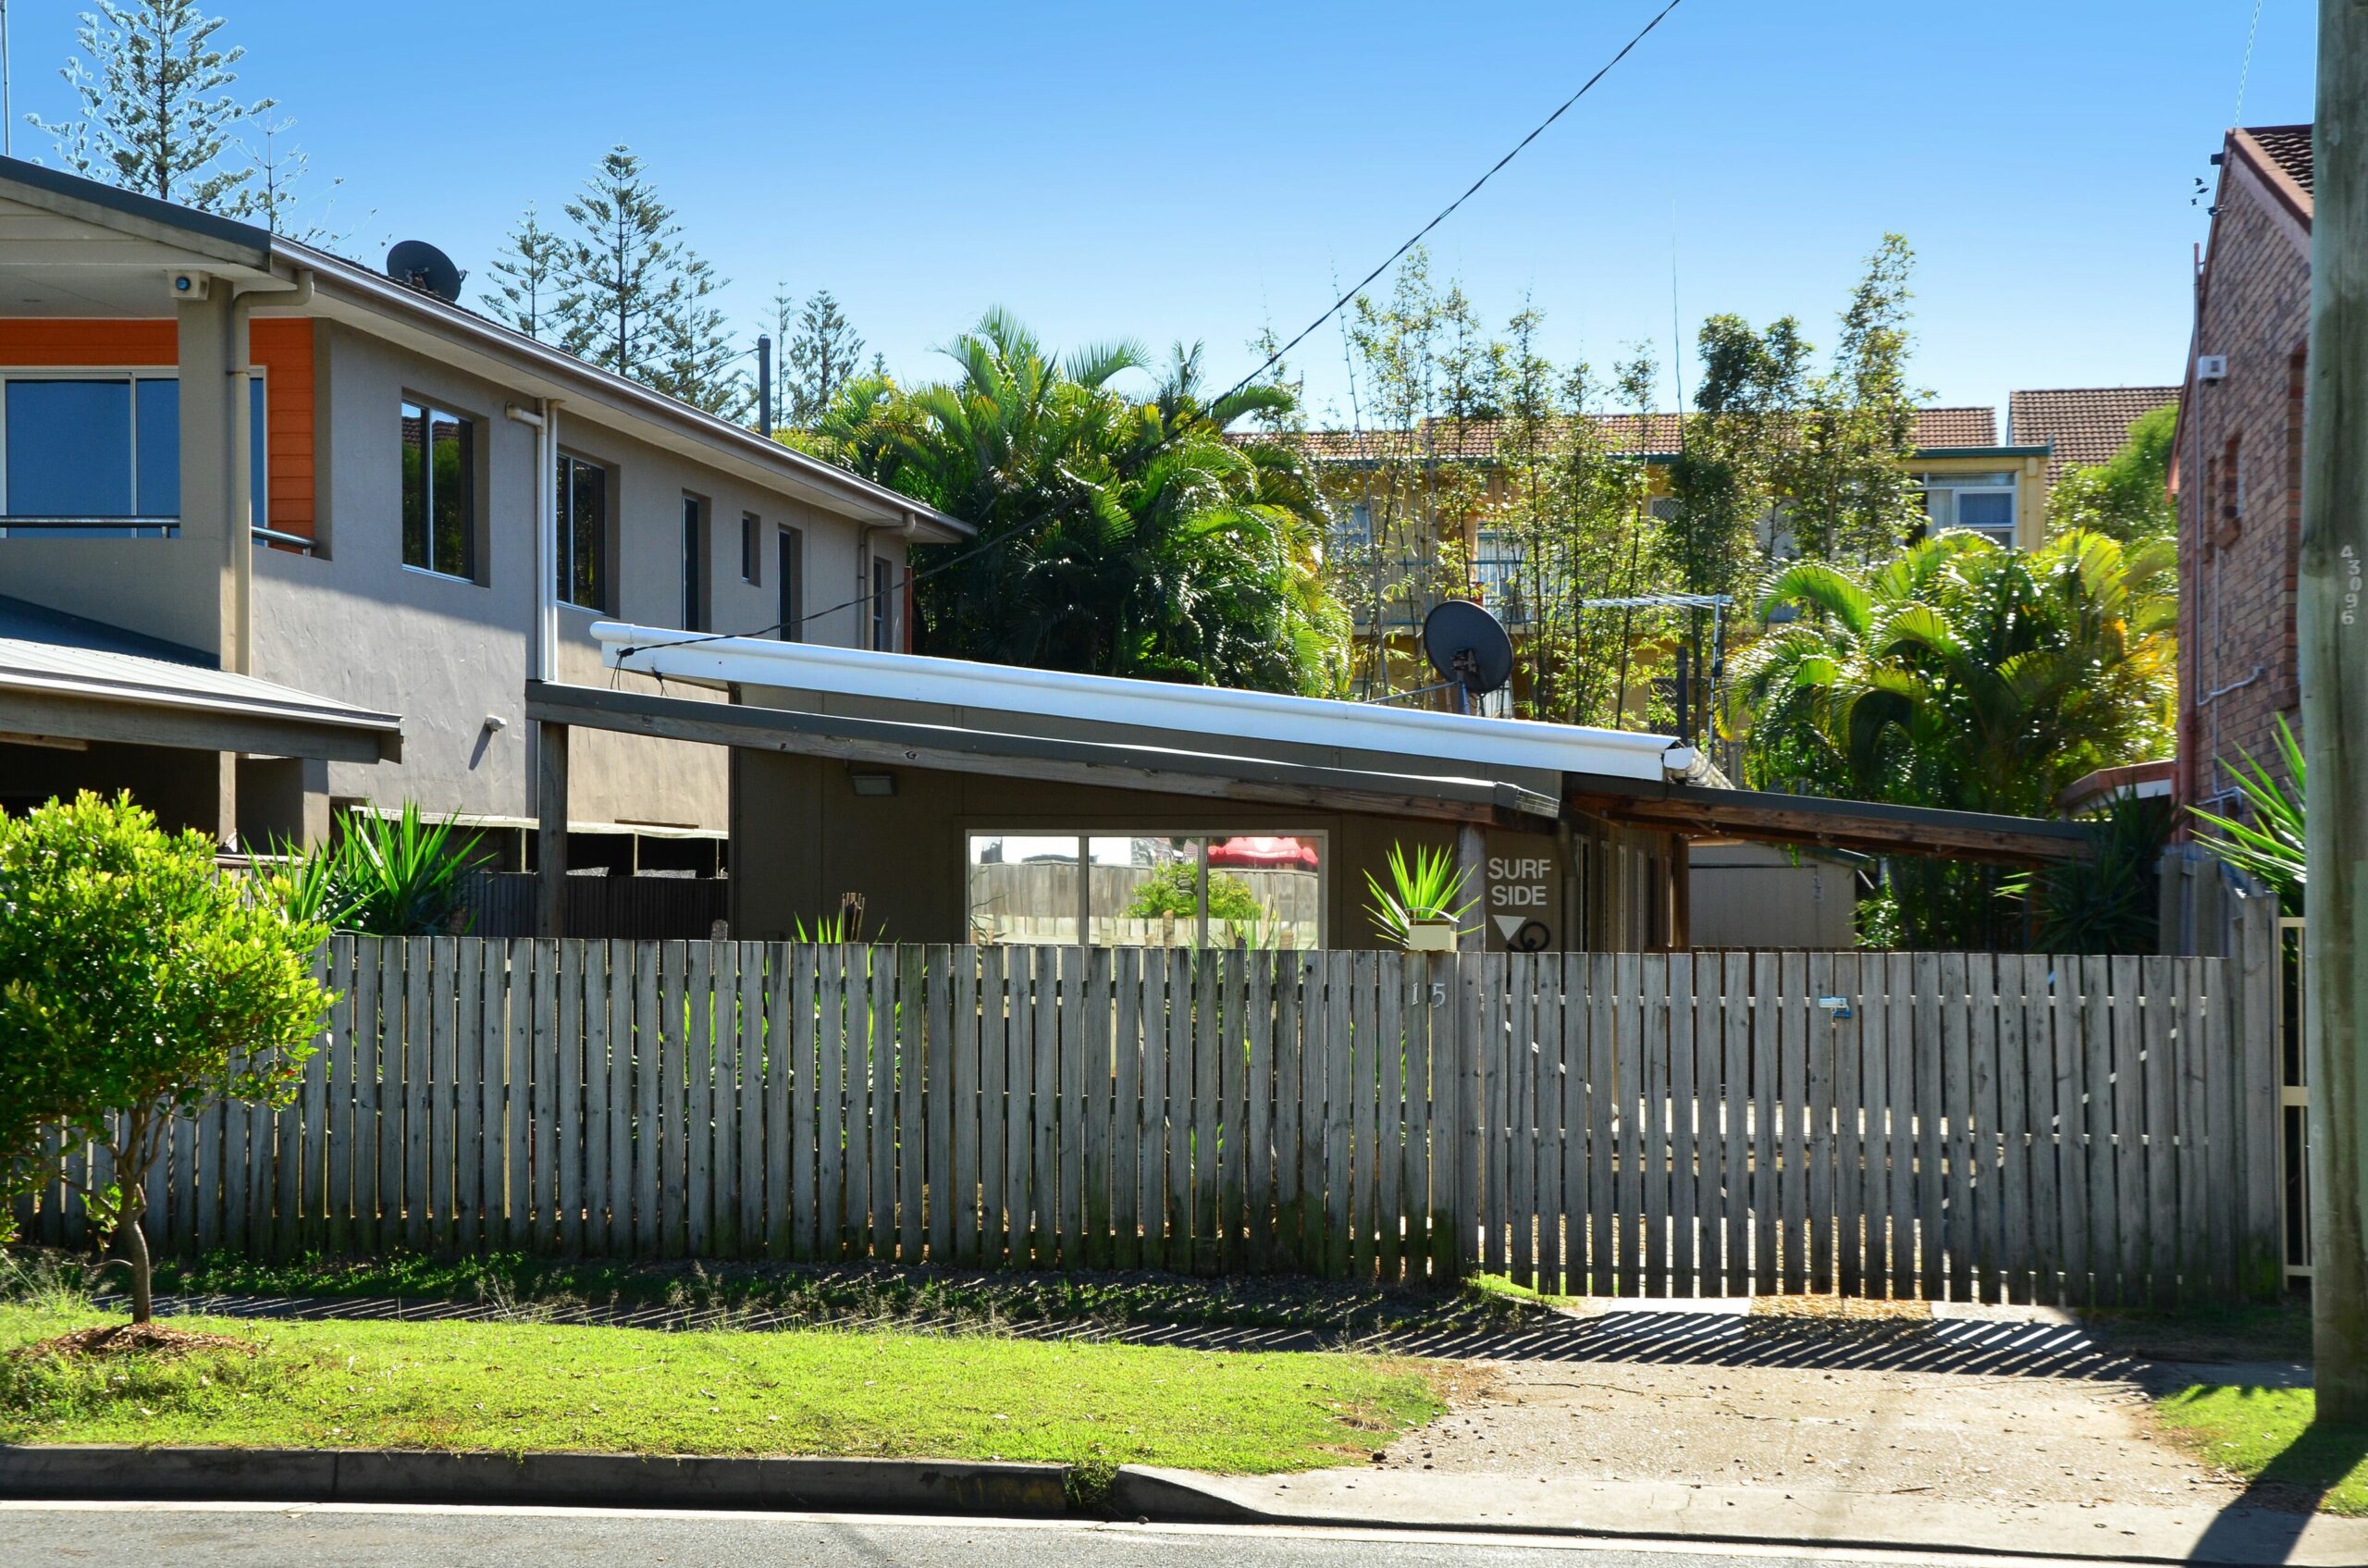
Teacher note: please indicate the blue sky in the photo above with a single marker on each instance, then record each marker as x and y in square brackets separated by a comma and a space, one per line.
[1199, 173]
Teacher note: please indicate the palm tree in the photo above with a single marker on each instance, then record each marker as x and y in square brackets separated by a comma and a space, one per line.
[1961, 675]
[1122, 538]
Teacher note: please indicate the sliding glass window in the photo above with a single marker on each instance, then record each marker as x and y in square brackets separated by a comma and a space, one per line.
[99, 456]
[1147, 890]
[439, 491]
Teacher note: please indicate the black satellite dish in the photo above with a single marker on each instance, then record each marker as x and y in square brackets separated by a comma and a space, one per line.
[1468, 646]
[423, 266]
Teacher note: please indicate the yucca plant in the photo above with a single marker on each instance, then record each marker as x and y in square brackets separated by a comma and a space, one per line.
[1422, 891]
[402, 875]
[2271, 846]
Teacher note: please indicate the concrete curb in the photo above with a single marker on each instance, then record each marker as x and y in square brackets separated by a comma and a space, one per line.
[98, 1472]
[2235, 1538]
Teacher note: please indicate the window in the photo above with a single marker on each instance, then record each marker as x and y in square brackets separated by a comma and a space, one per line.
[883, 614]
[789, 586]
[582, 525]
[94, 455]
[693, 565]
[749, 530]
[1163, 890]
[2232, 490]
[1983, 503]
[1496, 570]
[439, 491]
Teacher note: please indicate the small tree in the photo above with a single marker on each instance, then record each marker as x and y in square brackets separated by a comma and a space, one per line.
[157, 114]
[622, 269]
[138, 984]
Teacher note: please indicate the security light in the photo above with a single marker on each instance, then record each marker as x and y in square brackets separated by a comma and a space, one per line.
[873, 784]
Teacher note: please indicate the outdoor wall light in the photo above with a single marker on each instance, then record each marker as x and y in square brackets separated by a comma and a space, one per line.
[873, 784]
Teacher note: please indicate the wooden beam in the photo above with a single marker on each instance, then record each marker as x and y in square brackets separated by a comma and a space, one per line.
[69, 717]
[551, 803]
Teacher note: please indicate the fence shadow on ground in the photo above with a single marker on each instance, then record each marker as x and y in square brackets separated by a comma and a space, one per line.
[1673, 1338]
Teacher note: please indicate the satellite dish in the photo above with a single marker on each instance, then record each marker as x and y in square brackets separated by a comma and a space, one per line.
[423, 266]
[1468, 646]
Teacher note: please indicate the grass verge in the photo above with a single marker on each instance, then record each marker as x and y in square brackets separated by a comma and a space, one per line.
[2266, 1435]
[841, 1294]
[515, 1388]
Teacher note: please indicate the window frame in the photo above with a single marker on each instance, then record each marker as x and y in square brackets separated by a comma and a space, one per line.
[789, 591]
[1928, 482]
[135, 525]
[1206, 836]
[752, 549]
[471, 462]
[563, 558]
[696, 556]
[883, 605]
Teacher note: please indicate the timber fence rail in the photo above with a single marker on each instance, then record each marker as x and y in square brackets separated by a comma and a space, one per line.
[1933, 1125]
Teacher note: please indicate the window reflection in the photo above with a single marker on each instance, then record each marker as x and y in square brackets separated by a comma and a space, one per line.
[1149, 890]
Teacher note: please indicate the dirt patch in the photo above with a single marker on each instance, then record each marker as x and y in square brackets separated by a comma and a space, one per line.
[157, 1340]
[1849, 1309]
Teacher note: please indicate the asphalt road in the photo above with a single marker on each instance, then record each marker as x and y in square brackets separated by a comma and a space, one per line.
[200, 1536]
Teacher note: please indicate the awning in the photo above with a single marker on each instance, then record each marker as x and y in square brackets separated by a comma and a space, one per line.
[1870, 827]
[54, 693]
[1111, 764]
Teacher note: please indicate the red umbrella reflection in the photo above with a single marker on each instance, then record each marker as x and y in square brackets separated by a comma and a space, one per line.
[1261, 853]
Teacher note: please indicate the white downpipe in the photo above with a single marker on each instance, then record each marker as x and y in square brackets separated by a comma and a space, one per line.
[240, 534]
[542, 652]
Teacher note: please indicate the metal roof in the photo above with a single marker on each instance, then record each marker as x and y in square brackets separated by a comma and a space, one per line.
[83, 692]
[1193, 715]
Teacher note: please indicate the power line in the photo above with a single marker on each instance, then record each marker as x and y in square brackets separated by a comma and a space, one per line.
[2245, 73]
[1271, 361]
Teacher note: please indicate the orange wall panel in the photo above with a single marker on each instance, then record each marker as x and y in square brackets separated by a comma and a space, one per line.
[283, 347]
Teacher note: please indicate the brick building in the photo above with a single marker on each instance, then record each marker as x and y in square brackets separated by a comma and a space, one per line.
[2236, 467]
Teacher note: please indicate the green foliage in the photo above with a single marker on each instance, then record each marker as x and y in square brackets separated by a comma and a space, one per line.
[138, 984]
[1174, 889]
[156, 114]
[1425, 888]
[820, 354]
[384, 876]
[1122, 538]
[1964, 675]
[2112, 902]
[2270, 847]
[2127, 496]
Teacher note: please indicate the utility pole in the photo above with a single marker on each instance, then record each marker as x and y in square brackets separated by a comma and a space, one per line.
[2334, 638]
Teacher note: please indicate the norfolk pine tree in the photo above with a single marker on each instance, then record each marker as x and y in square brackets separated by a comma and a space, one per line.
[156, 114]
[530, 274]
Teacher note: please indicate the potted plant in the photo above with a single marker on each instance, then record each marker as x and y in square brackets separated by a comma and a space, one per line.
[1420, 910]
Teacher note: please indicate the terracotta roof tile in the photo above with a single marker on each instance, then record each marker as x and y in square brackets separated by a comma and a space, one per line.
[2287, 146]
[1475, 440]
[2081, 426]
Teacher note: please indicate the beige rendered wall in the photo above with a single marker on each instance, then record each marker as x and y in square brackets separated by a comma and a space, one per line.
[352, 621]
[1762, 896]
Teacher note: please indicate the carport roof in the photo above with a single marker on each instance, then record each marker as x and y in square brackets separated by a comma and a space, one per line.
[67, 690]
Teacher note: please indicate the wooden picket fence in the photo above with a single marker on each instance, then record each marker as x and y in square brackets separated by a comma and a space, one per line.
[1932, 1125]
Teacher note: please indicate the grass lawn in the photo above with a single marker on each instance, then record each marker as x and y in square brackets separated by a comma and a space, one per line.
[2264, 1435]
[516, 1387]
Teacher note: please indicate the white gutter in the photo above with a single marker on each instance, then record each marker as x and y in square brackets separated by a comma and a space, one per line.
[1192, 710]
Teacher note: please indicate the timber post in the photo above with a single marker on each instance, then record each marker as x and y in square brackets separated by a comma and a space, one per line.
[2333, 613]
